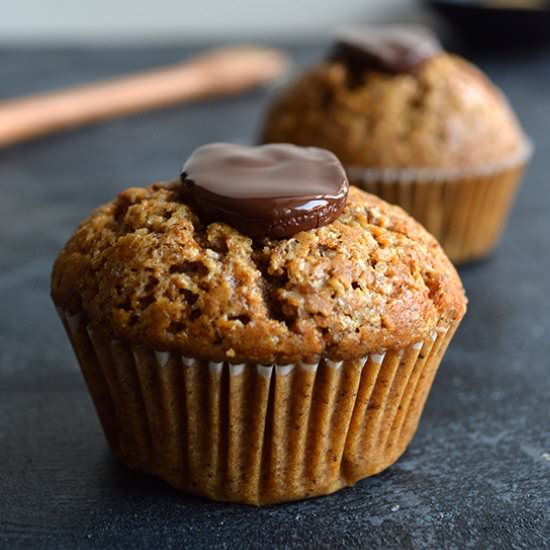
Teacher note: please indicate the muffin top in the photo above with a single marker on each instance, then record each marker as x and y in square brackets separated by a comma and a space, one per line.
[150, 269]
[440, 113]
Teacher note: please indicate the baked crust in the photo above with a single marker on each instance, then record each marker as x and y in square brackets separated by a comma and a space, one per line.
[143, 268]
[446, 115]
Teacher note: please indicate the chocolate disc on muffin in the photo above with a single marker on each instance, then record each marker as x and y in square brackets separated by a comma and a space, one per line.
[392, 49]
[415, 125]
[256, 331]
[256, 190]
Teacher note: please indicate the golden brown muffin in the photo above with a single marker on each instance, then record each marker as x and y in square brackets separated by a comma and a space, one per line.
[256, 370]
[441, 141]
[445, 115]
[145, 269]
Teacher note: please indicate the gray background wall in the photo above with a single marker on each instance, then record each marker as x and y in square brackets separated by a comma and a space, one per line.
[158, 20]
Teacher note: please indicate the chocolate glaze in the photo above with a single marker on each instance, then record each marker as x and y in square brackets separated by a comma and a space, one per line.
[272, 190]
[388, 48]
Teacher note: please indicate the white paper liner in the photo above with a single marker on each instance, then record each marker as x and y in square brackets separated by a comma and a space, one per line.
[256, 433]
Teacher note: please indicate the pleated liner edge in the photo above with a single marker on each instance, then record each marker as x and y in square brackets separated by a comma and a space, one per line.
[250, 433]
[466, 215]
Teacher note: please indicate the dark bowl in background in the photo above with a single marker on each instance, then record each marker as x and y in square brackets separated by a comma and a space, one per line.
[483, 23]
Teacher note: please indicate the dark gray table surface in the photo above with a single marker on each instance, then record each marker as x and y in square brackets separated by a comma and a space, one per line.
[477, 475]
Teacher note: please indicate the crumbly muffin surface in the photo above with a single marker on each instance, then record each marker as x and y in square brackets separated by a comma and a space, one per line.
[146, 269]
[446, 115]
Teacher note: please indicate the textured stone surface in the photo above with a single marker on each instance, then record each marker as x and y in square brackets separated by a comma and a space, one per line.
[477, 474]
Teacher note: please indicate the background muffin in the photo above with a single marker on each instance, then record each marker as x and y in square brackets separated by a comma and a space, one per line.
[256, 369]
[430, 133]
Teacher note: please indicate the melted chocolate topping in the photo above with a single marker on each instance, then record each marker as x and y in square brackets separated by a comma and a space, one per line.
[388, 48]
[272, 190]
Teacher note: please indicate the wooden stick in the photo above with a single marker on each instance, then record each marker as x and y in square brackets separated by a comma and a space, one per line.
[217, 72]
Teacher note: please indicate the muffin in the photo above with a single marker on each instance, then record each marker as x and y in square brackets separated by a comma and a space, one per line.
[414, 125]
[255, 332]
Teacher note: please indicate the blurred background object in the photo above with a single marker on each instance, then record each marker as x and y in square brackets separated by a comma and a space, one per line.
[190, 20]
[498, 23]
[481, 22]
[218, 72]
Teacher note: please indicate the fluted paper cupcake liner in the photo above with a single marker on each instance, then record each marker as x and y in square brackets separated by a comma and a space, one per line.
[465, 210]
[255, 433]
